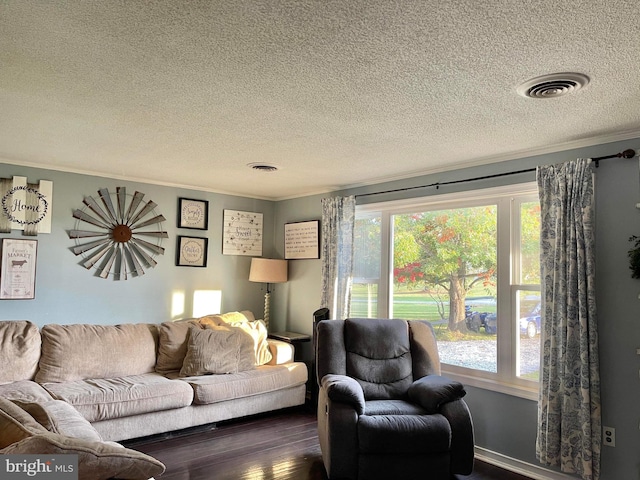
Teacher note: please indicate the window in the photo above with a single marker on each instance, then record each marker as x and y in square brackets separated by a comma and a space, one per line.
[469, 264]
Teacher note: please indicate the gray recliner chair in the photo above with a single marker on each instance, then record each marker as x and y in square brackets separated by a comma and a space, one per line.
[384, 411]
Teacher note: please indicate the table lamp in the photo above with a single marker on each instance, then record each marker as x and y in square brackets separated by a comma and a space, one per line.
[268, 270]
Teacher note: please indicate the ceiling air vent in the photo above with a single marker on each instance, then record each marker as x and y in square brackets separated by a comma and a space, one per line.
[553, 86]
[263, 167]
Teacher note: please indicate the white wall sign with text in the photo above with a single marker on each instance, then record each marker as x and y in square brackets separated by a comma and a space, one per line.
[301, 240]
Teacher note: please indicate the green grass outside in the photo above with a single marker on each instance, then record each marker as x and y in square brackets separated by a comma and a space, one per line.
[415, 305]
[419, 305]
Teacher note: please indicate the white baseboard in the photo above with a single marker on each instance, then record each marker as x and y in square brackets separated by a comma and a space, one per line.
[518, 466]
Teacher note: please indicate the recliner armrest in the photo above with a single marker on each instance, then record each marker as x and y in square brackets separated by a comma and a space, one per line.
[432, 391]
[341, 388]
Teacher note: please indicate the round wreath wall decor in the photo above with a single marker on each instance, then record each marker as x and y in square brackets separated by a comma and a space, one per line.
[37, 211]
[123, 234]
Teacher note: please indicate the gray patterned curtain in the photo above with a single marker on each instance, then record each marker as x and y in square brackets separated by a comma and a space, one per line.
[338, 217]
[569, 423]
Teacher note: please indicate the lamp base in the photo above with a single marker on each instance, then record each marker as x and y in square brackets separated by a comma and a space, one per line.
[267, 298]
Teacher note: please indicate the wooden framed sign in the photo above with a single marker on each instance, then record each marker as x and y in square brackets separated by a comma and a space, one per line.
[302, 240]
[242, 233]
[193, 213]
[191, 251]
[18, 274]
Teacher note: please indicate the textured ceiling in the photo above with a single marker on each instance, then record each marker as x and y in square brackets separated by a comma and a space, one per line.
[336, 93]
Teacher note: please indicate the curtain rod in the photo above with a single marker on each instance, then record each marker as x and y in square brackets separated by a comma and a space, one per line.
[626, 154]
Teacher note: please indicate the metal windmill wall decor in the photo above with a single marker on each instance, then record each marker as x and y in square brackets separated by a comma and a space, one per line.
[115, 246]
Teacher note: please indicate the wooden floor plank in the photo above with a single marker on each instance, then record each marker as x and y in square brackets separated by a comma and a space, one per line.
[276, 446]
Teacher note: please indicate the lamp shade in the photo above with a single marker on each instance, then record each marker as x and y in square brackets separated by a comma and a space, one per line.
[268, 270]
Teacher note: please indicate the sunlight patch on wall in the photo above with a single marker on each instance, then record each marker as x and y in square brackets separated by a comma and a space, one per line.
[177, 304]
[206, 302]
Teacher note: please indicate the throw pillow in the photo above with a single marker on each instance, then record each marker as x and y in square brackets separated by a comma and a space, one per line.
[217, 350]
[258, 331]
[96, 460]
[211, 321]
[221, 318]
[172, 345]
[60, 417]
[16, 424]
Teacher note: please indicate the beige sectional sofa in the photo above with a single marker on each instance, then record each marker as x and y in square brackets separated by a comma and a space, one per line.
[132, 380]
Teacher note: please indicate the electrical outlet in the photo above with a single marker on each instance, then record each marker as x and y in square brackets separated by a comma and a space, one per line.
[609, 436]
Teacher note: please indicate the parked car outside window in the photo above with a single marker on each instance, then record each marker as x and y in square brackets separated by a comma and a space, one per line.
[530, 325]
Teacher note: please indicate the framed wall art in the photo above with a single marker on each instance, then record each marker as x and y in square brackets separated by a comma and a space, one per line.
[193, 213]
[242, 233]
[192, 251]
[25, 206]
[302, 240]
[18, 273]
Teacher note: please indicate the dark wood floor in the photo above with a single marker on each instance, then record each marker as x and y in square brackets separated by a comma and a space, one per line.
[281, 445]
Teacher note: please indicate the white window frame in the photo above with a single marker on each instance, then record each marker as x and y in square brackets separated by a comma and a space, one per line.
[509, 199]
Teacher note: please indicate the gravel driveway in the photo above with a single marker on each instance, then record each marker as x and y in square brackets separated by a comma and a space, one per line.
[481, 354]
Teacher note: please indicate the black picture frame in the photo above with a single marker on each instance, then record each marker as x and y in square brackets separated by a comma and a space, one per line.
[193, 213]
[302, 240]
[191, 251]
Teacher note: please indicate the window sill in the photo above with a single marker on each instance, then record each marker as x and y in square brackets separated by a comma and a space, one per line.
[521, 391]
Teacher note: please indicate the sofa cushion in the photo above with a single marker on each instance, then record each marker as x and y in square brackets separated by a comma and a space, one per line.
[106, 398]
[403, 434]
[96, 460]
[19, 350]
[60, 417]
[16, 424]
[26, 390]
[80, 351]
[267, 378]
[217, 349]
[172, 345]
[393, 407]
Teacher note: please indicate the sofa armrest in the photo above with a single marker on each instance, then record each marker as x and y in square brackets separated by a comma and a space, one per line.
[281, 352]
[343, 389]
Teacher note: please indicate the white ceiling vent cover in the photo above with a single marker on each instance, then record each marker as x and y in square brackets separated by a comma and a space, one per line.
[263, 167]
[553, 86]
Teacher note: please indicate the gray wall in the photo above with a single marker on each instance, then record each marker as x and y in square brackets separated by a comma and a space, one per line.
[68, 293]
[507, 424]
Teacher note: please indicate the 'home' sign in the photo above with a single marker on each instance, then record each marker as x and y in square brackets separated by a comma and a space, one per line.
[25, 206]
